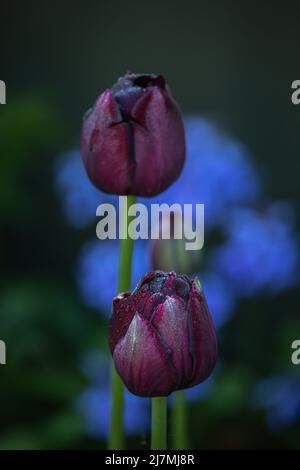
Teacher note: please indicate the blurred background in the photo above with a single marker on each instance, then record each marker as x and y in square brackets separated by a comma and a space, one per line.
[230, 67]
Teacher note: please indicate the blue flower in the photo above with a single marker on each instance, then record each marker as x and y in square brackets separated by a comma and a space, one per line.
[280, 396]
[260, 253]
[97, 271]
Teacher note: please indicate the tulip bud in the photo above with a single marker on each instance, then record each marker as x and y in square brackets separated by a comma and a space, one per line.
[170, 254]
[133, 138]
[161, 335]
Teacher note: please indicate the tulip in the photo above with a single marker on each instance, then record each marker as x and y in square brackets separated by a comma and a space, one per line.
[161, 335]
[133, 138]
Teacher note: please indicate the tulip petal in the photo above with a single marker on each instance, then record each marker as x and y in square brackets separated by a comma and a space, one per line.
[123, 311]
[106, 146]
[203, 342]
[159, 142]
[171, 322]
[142, 361]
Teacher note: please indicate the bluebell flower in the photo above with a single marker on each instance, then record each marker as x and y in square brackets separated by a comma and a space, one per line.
[95, 402]
[261, 252]
[97, 271]
[279, 395]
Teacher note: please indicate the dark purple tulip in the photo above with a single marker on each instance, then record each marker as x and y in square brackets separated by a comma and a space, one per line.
[133, 138]
[161, 335]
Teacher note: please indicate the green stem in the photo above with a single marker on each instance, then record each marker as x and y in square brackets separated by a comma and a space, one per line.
[116, 438]
[159, 424]
[179, 422]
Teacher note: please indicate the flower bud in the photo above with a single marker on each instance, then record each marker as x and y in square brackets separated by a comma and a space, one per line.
[170, 254]
[133, 138]
[161, 335]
